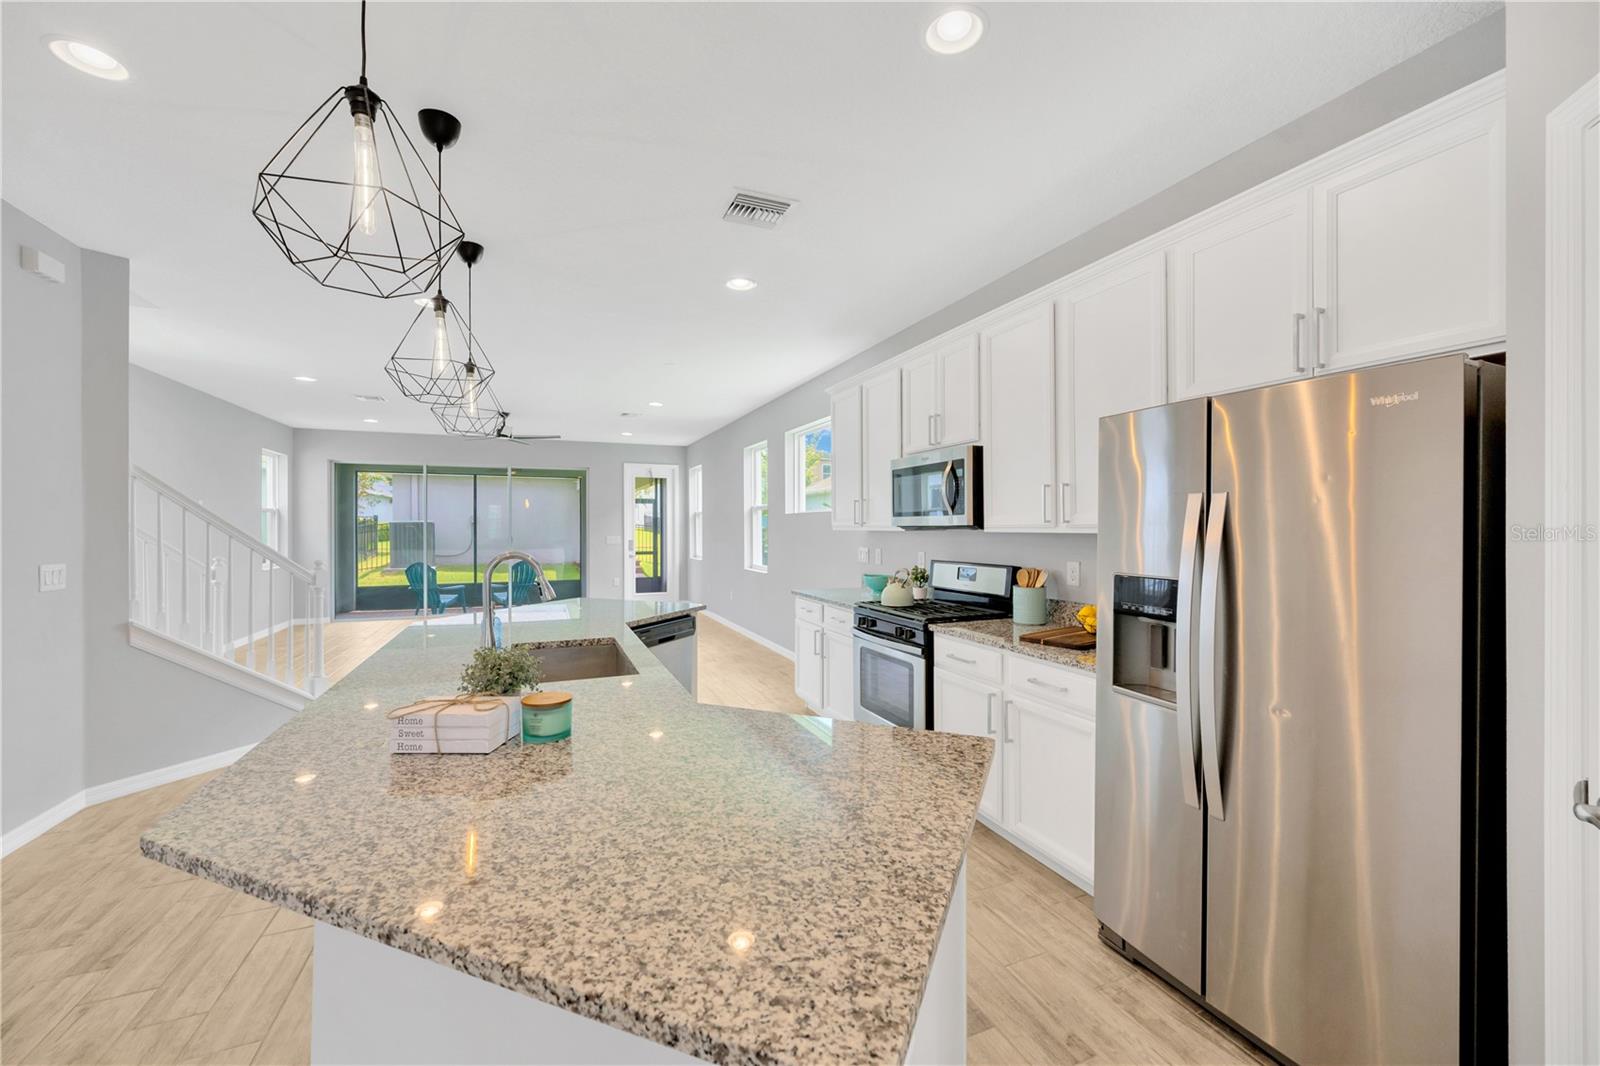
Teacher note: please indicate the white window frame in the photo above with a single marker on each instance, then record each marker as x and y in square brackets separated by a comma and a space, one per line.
[697, 507]
[753, 508]
[794, 474]
[275, 511]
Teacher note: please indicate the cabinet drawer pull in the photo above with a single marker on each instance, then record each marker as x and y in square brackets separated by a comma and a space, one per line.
[958, 659]
[1045, 684]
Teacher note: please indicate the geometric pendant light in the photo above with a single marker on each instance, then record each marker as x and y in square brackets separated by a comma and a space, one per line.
[439, 361]
[349, 200]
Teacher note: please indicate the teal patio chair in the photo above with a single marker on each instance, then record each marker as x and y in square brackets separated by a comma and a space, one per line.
[439, 599]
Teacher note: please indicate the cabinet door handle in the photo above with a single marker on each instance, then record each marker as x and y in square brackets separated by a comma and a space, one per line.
[933, 434]
[1044, 505]
[1322, 355]
[1005, 724]
[1299, 326]
[938, 428]
[1063, 508]
[816, 643]
[989, 710]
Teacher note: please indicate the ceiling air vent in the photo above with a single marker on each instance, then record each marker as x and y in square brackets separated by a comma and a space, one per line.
[754, 209]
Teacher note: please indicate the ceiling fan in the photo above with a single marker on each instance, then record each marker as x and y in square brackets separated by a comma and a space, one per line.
[520, 438]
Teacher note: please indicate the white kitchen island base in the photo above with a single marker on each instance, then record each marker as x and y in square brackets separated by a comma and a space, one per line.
[375, 1004]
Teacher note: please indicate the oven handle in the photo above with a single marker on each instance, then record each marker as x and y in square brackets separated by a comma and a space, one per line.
[947, 487]
[888, 647]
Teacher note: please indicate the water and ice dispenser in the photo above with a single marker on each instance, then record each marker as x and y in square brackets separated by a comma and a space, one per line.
[1145, 637]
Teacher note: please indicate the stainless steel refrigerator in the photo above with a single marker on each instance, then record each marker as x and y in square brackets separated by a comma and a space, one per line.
[1299, 763]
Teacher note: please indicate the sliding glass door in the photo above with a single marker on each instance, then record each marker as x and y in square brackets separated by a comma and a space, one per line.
[418, 539]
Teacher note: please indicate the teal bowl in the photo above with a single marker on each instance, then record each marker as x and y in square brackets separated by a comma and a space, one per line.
[875, 582]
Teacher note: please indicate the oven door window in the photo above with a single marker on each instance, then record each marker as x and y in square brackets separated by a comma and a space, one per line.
[889, 686]
[934, 490]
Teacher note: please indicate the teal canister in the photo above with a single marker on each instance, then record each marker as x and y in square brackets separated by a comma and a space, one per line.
[1029, 607]
[546, 717]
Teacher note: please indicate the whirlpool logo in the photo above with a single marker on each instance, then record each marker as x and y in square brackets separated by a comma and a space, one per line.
[1392, 399]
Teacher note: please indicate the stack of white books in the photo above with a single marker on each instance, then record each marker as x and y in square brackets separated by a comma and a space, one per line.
[461, 725]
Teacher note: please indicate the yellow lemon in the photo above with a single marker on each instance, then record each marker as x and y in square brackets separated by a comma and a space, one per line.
[1088, 616]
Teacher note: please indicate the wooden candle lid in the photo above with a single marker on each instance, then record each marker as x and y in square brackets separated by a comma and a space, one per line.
[546, 699]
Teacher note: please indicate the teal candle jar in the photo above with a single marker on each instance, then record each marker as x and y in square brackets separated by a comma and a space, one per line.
[546, 717]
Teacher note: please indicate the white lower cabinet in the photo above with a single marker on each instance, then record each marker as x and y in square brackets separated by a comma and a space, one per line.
[1050, 780]
[1040, 792]
[961, 705]
[824, 659]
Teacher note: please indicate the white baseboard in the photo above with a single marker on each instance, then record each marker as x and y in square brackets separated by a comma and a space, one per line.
[1083, 880]
[743, 632]
[39, 824]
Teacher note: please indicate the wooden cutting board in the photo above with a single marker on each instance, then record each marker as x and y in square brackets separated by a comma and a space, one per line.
[1061, 637]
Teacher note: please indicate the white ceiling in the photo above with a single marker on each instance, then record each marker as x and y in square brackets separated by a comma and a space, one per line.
[600, 145]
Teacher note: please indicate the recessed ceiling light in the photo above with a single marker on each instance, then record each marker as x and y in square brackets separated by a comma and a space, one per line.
[371, 421]
[656, 403]
[954, 31]
[625, 433]
[367, 397]
[308, 381]
[740, 284]
[87, 58]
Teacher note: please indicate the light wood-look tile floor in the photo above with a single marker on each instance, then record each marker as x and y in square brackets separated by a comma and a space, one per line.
[106, 957]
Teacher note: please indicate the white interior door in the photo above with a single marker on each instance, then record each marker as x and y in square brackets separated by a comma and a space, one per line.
[652, 531]
[1572, 580]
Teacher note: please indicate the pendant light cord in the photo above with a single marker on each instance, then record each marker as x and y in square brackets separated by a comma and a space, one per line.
[363, 42]
[438, 241]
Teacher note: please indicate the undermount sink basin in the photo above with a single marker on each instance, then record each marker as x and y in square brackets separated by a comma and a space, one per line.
[580, 661]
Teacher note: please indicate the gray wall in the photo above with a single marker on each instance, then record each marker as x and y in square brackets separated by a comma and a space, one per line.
[167, 419]
[316, 450]
[78, 706]
[1551, 51]
[806, 552]
[41, 520]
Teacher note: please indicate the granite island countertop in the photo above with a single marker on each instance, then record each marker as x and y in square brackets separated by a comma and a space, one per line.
[1003, 633]
[744, 886]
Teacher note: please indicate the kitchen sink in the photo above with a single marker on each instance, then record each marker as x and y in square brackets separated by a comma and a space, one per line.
[579, 661]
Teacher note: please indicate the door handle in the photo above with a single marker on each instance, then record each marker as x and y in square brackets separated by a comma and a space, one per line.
[933, 434]
[1209, 675]
[1044, 506]
[1322, 355]
[1582, 809]
[1062, 508]
[947, 487]
[938, 428]
[989, 707]
[1299, 327]
[1188, 560]
[816, 643]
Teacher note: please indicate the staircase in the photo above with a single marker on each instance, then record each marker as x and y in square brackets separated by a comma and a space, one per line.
[205, 594]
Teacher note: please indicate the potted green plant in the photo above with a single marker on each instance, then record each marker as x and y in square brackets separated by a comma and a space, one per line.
[919, 582]
[501, 672]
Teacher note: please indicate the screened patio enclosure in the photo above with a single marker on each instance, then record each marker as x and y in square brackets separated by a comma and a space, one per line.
[417, 539]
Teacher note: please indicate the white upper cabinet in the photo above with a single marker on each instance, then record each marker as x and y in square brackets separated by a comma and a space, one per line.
[940, 397]
[880, 435]
[845, 410]
[1241, 299]
[1111, 344]
[1019, 459]
[1410, 246]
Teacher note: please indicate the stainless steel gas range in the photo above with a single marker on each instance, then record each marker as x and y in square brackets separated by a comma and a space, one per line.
[894, 646]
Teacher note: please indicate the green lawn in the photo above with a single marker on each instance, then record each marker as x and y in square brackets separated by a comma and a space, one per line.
[377, 577]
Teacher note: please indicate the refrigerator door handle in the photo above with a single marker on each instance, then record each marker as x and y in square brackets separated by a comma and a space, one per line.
[1188, 573]
[1209, 673]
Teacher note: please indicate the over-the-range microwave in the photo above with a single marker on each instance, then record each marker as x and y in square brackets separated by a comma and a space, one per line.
[942, 488]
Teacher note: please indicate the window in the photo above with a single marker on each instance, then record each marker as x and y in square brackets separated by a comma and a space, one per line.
[697, 545]
[274, 492]
[808, 467]
[755, 507]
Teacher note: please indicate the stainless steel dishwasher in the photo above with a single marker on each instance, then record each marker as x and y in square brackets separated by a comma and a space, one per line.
[672, 639]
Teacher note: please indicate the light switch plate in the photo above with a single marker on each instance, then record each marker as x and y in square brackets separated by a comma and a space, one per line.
[861, 555]
[1074, 574]
[52, 577]
[877, 556]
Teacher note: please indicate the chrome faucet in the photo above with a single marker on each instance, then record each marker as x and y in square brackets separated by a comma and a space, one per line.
[545, 591]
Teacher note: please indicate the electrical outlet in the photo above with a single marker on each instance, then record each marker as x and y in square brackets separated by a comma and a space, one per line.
[862, 556]
[922, 558]
[616, 582]
[52, 577]
[1074, 574]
